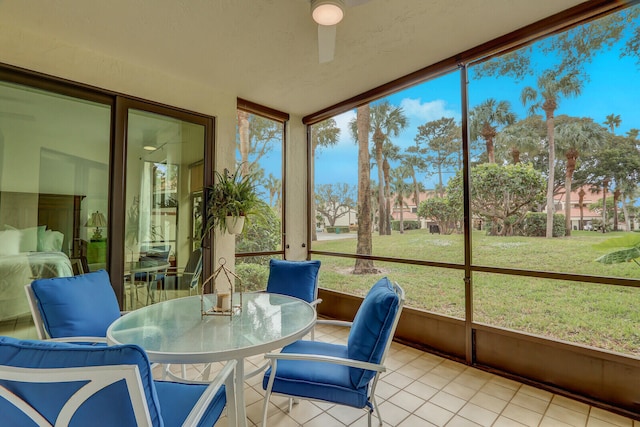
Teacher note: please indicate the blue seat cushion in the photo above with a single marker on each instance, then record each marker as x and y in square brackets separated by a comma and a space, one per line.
[109, 407]
[316, 380]
[371, 328]
[82, 305]
[177, 400]
[294, 278]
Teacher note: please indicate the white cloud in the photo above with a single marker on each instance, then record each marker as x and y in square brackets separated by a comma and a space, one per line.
[427, 111]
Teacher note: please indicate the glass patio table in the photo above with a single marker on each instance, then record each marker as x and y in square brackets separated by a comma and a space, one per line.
[175, 332]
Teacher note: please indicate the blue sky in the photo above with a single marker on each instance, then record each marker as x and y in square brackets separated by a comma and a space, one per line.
[613, 87]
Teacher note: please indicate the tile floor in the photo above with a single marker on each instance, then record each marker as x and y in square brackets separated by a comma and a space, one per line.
[419, 390]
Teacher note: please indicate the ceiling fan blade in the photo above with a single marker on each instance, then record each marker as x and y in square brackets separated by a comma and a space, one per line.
[352, 3]
[326, 42]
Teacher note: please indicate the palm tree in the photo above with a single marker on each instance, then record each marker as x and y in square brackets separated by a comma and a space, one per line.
[526, 136]
[613, 121]
[401, 190]
[386, 121]
[552, 86]
[414, 162]
[485, 119]
[576, 136]
[273, 186]
[364, 244]
[389, 152]
[323, 134]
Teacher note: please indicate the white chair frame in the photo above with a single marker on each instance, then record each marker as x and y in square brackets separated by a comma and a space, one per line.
[100, 377]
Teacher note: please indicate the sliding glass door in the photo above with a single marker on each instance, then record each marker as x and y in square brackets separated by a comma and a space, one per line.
[165, 177]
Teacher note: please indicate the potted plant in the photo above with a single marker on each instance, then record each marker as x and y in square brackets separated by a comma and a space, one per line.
[231, 199]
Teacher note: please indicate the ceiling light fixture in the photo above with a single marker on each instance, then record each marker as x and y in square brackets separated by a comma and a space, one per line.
[327, 12]
[150, 147]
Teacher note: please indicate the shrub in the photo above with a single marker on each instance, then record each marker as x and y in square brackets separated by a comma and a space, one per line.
[253, 276]
[535, 225]
[337, 229]
[407, 225]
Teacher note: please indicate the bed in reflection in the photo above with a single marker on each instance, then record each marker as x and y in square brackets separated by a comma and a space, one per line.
[19, 266]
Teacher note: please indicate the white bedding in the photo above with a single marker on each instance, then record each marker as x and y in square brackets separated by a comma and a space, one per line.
[19, 269]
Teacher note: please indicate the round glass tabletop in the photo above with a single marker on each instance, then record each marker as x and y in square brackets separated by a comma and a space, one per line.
[175, 332]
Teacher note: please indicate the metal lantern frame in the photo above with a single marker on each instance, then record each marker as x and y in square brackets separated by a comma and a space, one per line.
[218, 309]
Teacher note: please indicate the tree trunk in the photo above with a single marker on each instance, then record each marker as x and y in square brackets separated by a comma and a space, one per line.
[572, 155]
[549, 108]
[625, 212]
[605, 185]
[401, 202]
[515, 155]
[616, 196]
[488, 133]
[387, 196]
[378, 139]
[364, 244]
[243, 133]
[581, 194]
[314, 233]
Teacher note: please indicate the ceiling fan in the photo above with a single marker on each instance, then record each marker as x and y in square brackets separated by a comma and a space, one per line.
[328, 13]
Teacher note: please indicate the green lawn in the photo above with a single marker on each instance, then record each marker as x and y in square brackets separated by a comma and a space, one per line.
[598, 315]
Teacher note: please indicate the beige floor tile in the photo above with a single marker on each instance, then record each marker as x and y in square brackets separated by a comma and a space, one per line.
[494, 389]
[478, 415]
[410, 371]
[489, 402]
[507, 422]
[415, 421]
[448, 401]
[459, 421]
[397, 380]
[522, 415]
[468, 379]
[434, 414]
[303, 411]
[535, 392]
[505, 382]
[530, 402]
[596, 422]
[434, 380]
[459, 390]
[406, 401]
[610, 417]
[323, 420]
[384, 390]
[552, 422]
[574, 405]
[393, 414]
[421, 390]
[346, 414]
[566, 415]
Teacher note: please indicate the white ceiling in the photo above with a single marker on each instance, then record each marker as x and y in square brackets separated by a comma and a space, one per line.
[266, 50]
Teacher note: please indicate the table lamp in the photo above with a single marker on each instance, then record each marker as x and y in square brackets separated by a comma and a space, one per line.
[96, 220]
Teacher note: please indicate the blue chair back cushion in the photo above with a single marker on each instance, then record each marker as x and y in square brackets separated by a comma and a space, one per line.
[109, 407]
[371, 328]
[82, 305]
[294, 278]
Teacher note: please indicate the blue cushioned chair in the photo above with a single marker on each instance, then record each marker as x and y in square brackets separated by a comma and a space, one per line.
[297, 279]
[53, 383]
[342, 374]
[153, 254]
[78, 308]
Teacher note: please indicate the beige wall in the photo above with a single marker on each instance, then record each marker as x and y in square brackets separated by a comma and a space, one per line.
[50, 56]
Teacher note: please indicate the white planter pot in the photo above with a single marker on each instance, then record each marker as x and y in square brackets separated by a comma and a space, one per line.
[234, 224]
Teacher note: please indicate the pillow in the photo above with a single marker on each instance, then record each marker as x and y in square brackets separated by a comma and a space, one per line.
[82, 305]
[28, 237]
[42, 232]
[371, 328]
[52, 241]
[294, 278]
[9, 242]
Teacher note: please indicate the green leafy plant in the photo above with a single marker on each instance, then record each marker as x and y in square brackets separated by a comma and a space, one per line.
[234, 195]
[630, 251]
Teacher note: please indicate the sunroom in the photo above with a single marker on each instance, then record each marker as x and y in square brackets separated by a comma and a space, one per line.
[478, 115]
